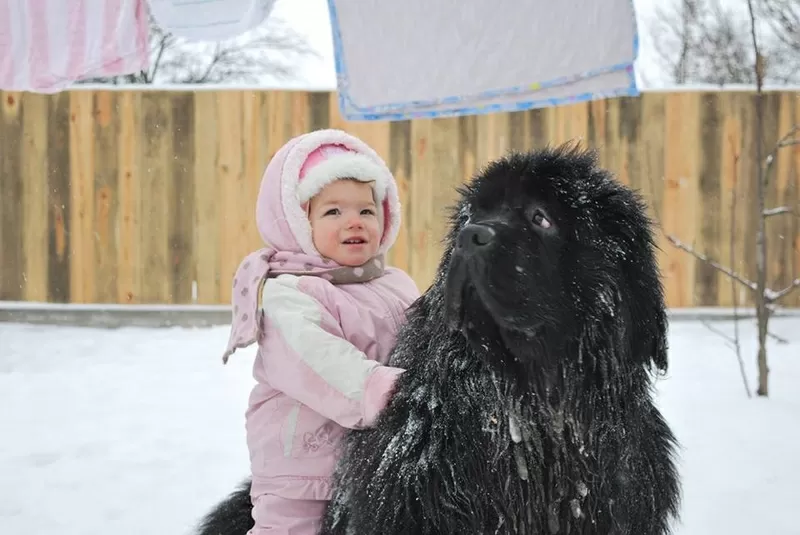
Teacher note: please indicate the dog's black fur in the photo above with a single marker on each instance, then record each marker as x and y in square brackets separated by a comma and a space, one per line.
[232, 516]
[527, 403]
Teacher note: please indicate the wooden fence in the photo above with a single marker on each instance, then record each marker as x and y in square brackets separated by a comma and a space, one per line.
[145, 196]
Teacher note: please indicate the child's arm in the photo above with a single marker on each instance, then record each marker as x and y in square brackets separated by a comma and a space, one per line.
[306, 356]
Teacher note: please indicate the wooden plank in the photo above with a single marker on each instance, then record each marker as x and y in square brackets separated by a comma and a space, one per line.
[81, 159]
[335, 119]
[299, 121]
[612, 156]
[181, 200]
[493, 136]
[276, 133]
[680, 193]
[12, 261]
[731, 204]
[106, 188]
[781, 228]
[596, 128]
[467, 147]
[156, 177]
[129, 181]
[440, 190]
[34, 197]
[628, 130]
[207, 212]
[498, 135]
[400, 164]
[319, 110]
[772, 198]
[557, 123]
[651, 160]
[232, 190]
[421, 201]
[747, 220]
[518, 131]
[537, 127]
[795, 187]
[59, 200]
[707, 280]
[579, 121]
[255, 160]
[771, 136]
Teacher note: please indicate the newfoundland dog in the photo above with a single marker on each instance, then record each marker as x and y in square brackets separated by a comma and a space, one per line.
[527, 407]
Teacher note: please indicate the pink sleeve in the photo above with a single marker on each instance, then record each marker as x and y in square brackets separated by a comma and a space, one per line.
[305, 355]
[380, 386]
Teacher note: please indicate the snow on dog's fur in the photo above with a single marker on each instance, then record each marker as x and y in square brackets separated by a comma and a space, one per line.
[527, 402]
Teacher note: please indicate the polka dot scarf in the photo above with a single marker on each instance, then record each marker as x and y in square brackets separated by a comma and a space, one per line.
[247, 318]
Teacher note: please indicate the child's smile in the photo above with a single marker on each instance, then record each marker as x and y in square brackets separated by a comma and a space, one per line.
[344, 222]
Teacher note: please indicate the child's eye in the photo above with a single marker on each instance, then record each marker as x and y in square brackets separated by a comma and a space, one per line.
[332, 211]
[367, 211]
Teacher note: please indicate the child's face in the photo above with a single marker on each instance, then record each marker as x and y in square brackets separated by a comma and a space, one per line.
[344, 222]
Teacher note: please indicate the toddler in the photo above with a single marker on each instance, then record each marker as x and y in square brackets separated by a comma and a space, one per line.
[324, 309]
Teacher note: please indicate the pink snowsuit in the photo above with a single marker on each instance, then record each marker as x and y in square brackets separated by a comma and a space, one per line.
[321, 346]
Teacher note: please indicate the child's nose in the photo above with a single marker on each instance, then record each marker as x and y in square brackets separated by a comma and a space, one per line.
[355, 221]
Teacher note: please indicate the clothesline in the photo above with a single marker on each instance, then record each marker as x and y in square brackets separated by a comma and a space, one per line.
[394, 60]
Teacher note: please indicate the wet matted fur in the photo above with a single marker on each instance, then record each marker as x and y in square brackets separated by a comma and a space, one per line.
[527, 404]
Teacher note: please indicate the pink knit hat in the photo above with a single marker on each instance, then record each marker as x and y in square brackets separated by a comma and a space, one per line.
[333, 161]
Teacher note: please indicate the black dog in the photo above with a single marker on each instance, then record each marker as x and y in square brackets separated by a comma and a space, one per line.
[527, 404]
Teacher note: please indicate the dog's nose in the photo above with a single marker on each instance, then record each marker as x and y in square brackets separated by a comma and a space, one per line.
[475, 236]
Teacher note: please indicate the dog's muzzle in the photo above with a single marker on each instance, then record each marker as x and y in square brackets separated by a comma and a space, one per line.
[475, 238]
[473, 242]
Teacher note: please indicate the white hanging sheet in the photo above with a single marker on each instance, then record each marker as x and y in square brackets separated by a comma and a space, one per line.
[210, 20]
[431, 58]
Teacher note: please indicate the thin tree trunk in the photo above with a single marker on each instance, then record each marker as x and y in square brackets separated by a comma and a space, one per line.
[761, 242]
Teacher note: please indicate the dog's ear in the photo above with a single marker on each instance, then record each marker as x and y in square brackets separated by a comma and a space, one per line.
[650, 337]
[642, 295]
[648, 304]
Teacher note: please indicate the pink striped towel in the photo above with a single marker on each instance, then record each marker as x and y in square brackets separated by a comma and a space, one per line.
[45, 45]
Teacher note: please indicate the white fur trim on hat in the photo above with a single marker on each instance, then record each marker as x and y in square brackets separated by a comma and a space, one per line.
[348, 165]
[296, 217]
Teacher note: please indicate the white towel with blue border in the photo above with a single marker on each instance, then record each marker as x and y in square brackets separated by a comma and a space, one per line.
[405, 59]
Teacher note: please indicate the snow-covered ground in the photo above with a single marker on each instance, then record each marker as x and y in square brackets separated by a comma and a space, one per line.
[137, 431]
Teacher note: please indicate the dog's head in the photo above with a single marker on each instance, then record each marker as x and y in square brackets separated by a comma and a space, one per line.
[548, 256]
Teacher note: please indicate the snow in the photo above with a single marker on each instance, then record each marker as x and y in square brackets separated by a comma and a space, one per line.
[140, 430]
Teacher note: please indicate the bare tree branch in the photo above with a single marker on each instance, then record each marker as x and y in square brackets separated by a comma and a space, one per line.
[773, 296]
[777, 338]
[716, 265]
[787, 140]
[737, 347]
[783, 16]
[769, 212]
[704, 41]
[719, 332]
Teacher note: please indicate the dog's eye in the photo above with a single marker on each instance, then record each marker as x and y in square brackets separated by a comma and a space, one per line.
[541, 220]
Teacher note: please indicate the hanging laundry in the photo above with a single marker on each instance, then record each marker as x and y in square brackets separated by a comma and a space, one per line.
[422, 58]
[45, 45]
[210, 20]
